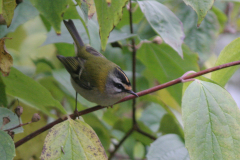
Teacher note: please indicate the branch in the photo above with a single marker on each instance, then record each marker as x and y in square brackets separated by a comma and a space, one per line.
[120, 143]
[134, 122]
[142, 93]
[20, 125]
[179, 80]
[145, 134]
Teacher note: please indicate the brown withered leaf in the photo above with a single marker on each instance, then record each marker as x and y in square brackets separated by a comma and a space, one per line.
[6, 120]
[91, 7]
[109, 2]
[6, 60]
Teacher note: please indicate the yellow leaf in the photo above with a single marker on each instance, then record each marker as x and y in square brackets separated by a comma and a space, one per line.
[91, 8]
[8, 10]
[73, 139]
[6, 60]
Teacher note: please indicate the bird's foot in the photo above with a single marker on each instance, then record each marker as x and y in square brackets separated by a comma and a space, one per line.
[76, 113]
[110, 106]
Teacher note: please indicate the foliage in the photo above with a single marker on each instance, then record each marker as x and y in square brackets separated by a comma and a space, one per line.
[211, 123]
[74, 140]
[7, 149]
[197, 120]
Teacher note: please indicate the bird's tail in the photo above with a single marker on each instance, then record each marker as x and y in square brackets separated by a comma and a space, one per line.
[73, 31]
[70, 63]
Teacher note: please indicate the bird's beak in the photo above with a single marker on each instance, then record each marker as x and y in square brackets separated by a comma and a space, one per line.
[133, 93]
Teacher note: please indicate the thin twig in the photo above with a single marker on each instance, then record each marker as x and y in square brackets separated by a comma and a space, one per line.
[179, 80]
[146, 134]
[120, 143]
[142, 93]
[20, 125]
[134, 122]
[11, 104]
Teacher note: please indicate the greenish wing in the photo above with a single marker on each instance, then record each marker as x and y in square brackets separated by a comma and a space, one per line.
[93, 51]
[75, 67]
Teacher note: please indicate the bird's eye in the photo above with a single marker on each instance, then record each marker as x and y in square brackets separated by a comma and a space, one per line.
[118, 85]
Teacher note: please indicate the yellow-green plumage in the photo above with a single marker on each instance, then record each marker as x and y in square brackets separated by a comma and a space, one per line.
[101, 64]
[92, 75]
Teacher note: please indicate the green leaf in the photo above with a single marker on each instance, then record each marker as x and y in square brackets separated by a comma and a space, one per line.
[144, 30]
[52, 11]
[229, 54]
[169, 124]
[4, 112]
[202, 78]
[84, 8]
[108, 17]
[152, 115]
[222, 18]
[71, 12]
[52, 86]
[76, 139]
[24, 12]
[7, 147]
[211, 122]
[165, 64]
[65, 49]
[167, 120]
[43, 66]
[100, 128]
[78, 2]
[1, 6]
[168, 147]
[201, 8]
[126, 124]
[139, 150]
[117, 35]
[88, 8]
[128, 146]
[30, 92]
[8, 10]
[199, 39]
[3, 97]
[45, 22]
[165, 23]
[136, 18]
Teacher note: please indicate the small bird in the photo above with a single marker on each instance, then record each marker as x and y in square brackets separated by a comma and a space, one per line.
[93, 76]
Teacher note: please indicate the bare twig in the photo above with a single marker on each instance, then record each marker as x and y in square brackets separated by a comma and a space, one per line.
[146, 134]
[20, 125]
[133, 66]
[142, 93]
[120, 143]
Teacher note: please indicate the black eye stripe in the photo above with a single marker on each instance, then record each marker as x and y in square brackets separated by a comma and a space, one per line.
[118, 85]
